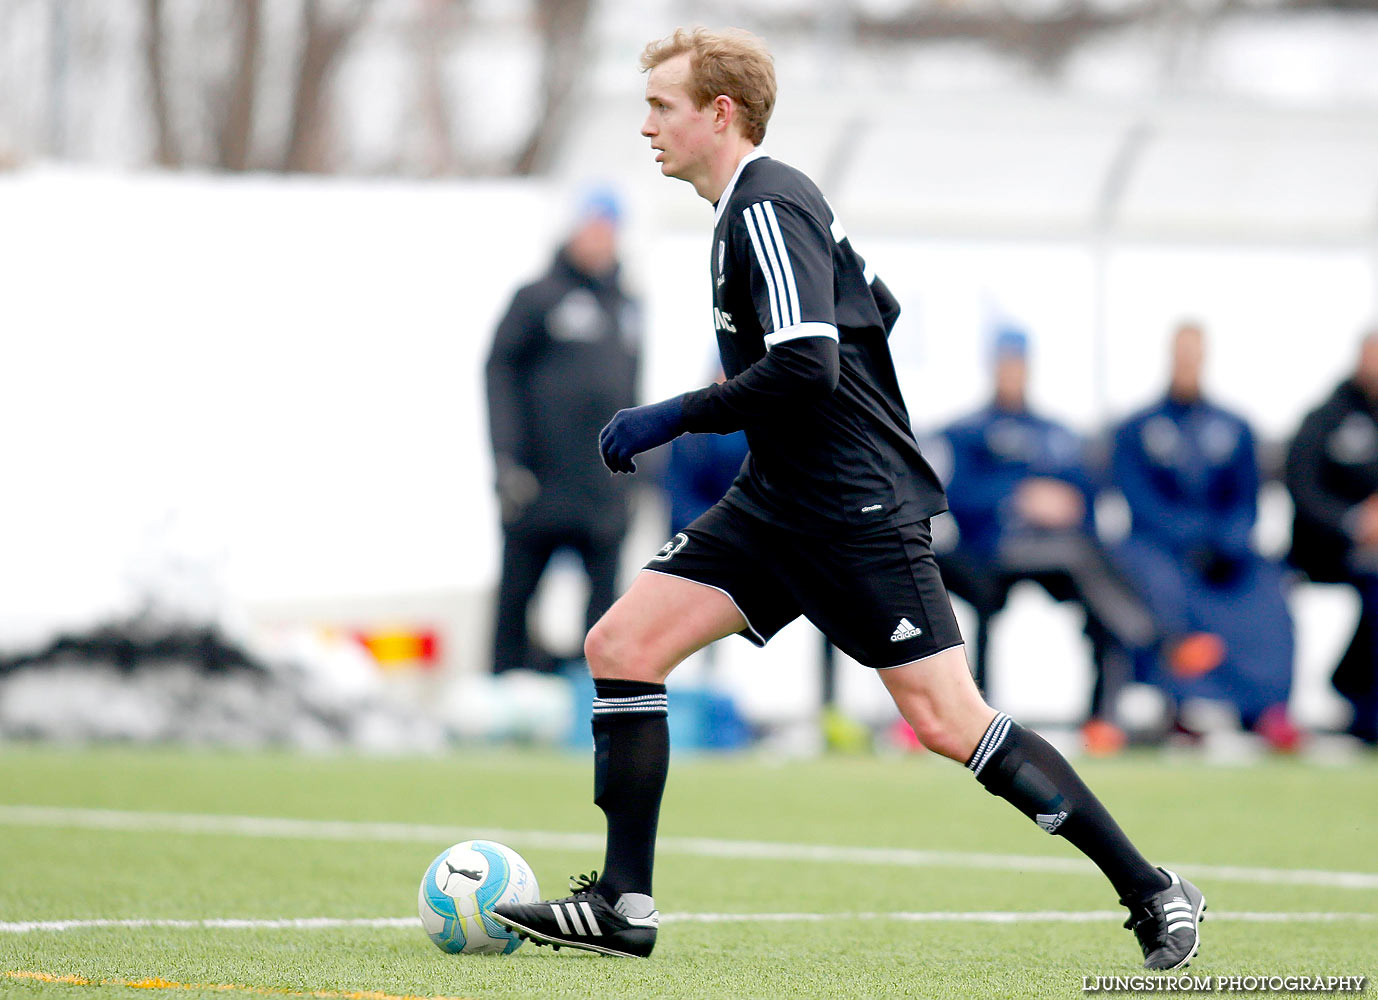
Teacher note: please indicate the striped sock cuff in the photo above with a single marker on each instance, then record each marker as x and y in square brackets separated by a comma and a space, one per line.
[995, 735]
[645, 704]
[629, 698]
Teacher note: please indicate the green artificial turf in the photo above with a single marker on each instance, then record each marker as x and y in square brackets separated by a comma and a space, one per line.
[1253, 837]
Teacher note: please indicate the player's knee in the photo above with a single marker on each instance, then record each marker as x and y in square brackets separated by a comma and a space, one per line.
[599, 647]
[938, 730]
[613, 651]
[937, 735]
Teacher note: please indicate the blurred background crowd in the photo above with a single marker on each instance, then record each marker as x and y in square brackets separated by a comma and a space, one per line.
[313, 310]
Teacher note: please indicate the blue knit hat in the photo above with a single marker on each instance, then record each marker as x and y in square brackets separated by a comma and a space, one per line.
[1010, 341]
[600, 202]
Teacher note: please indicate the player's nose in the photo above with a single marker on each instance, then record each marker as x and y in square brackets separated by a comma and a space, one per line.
[648, 127]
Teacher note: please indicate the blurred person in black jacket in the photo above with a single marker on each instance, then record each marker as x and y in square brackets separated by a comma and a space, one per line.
[565, 355]
[1332, 474]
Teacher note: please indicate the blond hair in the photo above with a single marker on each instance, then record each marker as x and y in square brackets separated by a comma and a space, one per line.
[732, 62]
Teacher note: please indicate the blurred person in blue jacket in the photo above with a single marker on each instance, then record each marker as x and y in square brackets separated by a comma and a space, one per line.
[565, 355]
[1022, 494]
[1189, 473]
[699, 471]
[1332, 474]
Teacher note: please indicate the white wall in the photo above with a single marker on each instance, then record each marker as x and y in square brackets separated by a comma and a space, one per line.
[293, 368]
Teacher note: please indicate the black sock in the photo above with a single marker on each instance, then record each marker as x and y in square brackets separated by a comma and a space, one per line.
[1024, 769]
[631, 756]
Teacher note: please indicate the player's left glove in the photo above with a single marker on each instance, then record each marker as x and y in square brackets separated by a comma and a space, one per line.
[638, 429]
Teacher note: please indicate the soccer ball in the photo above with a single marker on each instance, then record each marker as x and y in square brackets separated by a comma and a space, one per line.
[460, 889]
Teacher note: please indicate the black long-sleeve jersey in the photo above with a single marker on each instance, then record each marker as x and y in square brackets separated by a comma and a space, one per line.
[803, 327]
[1332, 467]
[565, 355]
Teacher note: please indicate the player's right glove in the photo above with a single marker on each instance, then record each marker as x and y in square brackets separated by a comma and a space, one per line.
[638, 429]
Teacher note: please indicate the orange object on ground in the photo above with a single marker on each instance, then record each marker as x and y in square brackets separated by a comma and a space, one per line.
[1102, 738]
[1197, 654]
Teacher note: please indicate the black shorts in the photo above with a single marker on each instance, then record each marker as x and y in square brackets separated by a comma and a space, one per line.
[876, 595]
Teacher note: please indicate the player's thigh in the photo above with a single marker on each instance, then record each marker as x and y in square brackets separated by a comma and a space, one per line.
[877, 595]
[656, 624]
[714, 578]
[739, 556]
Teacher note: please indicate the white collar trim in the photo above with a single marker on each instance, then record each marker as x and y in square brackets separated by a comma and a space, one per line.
[755, 154]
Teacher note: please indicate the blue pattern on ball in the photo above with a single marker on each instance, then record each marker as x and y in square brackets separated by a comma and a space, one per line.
[491, 891]
[451, 937]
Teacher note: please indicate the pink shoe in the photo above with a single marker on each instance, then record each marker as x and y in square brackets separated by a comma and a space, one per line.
[902, 735]
[1278, 731]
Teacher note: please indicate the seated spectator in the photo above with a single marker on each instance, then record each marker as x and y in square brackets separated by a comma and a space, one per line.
[1021, 494]
[1188, 471]
[1332, 473]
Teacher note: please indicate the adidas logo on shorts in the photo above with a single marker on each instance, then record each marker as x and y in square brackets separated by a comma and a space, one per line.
[905, 630]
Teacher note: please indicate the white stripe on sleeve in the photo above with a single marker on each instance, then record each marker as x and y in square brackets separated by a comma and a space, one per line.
[772, 256]
[786, 268]
[766, 271]
[801, 330]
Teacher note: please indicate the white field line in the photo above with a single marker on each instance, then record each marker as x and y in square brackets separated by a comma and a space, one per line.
[310, 829]
[412, 923]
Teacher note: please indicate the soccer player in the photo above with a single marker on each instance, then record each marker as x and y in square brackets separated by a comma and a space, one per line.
[829, 519]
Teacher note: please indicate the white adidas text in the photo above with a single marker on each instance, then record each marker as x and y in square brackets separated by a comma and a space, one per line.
[905, 630]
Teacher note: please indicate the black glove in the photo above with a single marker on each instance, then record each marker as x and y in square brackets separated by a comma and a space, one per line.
[638, 429]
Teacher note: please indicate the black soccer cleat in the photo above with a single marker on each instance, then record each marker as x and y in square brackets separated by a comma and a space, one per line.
[1167, 924]
[584, 920]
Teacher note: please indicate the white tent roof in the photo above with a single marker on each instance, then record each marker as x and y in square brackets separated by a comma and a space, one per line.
[1053, 166]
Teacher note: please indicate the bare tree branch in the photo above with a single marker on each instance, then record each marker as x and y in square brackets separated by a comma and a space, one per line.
[324, 38]
[236, 126]
[1044, 41]
[563, 25]
[165, 152]
[434, 32]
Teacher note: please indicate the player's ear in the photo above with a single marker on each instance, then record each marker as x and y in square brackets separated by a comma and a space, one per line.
[724, 112]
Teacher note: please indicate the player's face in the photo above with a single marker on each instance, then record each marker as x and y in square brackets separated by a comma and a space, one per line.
[680, 133]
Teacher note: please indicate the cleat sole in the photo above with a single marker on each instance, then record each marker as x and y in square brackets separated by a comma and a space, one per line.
[531, 934]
